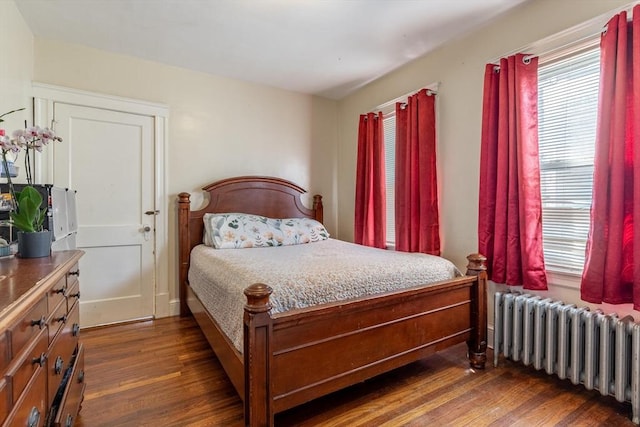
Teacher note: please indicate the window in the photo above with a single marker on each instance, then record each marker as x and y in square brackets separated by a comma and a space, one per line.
[567, 116]
[389, 123]
[388, 110]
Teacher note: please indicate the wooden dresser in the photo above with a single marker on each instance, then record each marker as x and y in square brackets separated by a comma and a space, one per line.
[41, 357]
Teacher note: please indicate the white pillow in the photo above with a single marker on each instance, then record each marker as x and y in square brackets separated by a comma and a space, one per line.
[239, 230]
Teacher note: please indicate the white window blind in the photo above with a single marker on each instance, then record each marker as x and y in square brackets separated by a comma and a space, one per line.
[389, 124]
[567, 113]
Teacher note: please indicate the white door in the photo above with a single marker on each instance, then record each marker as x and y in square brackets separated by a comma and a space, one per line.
[107, 157]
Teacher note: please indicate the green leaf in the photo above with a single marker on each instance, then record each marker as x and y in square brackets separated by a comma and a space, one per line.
[29, 216]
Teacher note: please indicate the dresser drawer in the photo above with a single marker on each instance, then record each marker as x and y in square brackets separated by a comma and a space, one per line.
[23, 367]
[56, 294]
[60, 356]
[73, 293]
[74, 392]
[72, 276]
[5, 403]
[72, 327]
[57, 319]
[28, 326]
[67, 341]
[30, 410]
[5, 353]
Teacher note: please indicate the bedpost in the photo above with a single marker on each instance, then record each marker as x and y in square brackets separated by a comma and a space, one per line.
[317, 206]
[184, 249]
[478, 342]
[258, 408]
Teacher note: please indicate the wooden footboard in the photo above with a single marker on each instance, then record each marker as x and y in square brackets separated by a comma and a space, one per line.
[297, 356]
[293, 357]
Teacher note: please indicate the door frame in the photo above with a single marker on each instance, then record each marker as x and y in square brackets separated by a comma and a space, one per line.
[44, 97]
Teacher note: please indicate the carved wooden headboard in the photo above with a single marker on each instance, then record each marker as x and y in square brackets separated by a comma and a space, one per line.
[258, 195]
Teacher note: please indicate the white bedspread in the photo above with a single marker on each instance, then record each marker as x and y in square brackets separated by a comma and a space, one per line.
[303, 276]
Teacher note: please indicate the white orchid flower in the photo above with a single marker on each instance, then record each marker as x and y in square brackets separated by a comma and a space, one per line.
[5, 141]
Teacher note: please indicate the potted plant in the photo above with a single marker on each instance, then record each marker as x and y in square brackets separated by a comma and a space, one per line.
[27, 213]
[33, 241]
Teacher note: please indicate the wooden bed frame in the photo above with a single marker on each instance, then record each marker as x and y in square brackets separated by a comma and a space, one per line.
[293, 357]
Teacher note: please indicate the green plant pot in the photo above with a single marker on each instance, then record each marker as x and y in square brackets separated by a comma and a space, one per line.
[34, 245]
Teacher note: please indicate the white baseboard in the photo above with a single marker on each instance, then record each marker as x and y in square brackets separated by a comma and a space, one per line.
[162, 305]
[174, 307]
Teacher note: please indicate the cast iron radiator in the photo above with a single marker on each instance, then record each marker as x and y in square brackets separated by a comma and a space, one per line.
[600, 351]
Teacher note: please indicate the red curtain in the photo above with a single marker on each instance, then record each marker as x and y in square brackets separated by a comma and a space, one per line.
[416, 210]
[370, 215]
[510, 209]
[612, 265]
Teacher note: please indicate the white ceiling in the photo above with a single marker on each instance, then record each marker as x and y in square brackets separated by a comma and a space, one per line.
[323, 47]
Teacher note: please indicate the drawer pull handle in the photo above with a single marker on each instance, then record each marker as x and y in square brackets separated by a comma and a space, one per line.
[75, 273]
[40, 360]
[81, 377]
[57, 367]
[34, 417]
[75, 330]
[76, 295]
[58, 291]
[62, 319]
[69, 421]
[40, 322]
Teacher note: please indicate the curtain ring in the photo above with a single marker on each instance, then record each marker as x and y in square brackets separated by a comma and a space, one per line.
[526, 60]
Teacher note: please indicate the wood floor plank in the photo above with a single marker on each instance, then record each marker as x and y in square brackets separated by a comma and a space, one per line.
[163, 373]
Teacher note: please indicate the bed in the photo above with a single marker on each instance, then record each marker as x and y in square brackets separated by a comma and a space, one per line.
[294, 356]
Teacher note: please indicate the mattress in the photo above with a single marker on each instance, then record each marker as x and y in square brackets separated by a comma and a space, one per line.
[304, 275]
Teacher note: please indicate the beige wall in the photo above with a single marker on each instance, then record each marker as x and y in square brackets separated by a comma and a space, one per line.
[218, 127]
[16, 66]
[293, 135]
[459, 68]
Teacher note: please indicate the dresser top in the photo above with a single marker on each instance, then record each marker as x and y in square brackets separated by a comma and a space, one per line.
[24, 279]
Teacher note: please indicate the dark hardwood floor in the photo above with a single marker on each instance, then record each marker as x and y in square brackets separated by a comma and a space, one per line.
[163, 373]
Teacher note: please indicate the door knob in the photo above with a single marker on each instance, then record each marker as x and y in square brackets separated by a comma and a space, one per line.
[147, 231]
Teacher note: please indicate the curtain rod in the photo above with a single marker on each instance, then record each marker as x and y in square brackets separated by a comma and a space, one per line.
[561, 51]
[433, 88]
[577, 37]
[430, 92]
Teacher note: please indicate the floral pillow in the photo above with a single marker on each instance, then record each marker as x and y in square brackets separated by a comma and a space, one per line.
[238, 230]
